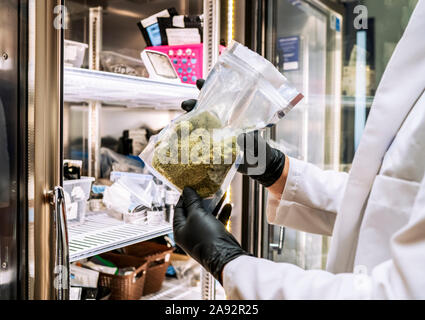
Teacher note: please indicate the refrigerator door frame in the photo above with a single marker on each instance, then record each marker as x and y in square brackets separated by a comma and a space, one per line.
[253, 193]
[45, 146]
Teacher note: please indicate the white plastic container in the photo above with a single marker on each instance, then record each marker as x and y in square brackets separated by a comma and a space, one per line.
[116, 175]
[77, 193]
[74, 53]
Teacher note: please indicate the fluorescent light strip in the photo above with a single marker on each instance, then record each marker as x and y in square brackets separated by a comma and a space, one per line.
[230, 20]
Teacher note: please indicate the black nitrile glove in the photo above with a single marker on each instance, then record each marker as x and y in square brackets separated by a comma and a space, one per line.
[188, 105]
[261, 162]
[202, 236]
[267, 168]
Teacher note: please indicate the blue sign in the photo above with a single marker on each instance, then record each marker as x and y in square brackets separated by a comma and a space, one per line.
[335, 23]
[289, 52]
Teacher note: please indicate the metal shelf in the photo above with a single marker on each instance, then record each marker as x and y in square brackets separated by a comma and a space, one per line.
[174, 289]
[101, 233]
[83, 85]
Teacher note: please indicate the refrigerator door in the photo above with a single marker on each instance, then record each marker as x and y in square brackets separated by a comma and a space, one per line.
[302, 32]
[13, 150]
[304, 41]
[9, 149]
[47, 240]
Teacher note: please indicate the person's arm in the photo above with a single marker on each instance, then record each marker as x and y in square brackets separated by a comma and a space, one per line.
[203, 237]
[306, 197]
[399, 277]
[302, 196]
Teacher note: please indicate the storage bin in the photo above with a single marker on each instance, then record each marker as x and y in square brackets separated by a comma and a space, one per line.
[158, 257]
[77, 193]
[118, 63]
[128, 287]
[74, 53]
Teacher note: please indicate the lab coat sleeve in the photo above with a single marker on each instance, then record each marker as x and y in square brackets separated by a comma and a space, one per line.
[249, 278]
[310, 199]
[400, 277]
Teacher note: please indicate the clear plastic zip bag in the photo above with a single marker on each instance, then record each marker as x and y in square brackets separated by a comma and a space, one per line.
[242, 93]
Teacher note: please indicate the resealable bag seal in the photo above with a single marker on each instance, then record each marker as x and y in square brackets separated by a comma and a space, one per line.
[242, 93]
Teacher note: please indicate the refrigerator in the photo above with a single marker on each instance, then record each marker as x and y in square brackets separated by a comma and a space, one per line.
[303, 38]
[51, 110]
[55, 111]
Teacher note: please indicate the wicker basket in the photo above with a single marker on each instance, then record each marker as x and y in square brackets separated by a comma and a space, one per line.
[128, 287]
[158, 256]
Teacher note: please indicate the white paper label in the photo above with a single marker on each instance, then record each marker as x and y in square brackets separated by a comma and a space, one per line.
[183, 36]
[75, 293]
[178, 21]
[153, 19]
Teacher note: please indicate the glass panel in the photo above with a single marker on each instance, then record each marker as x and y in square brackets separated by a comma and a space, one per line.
[367, 50]
[301, 54]
[76, 134]
[306, 44]
[9, 152]
[121, 45]
[111, 107]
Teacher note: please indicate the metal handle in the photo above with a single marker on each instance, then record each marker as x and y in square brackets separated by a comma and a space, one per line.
[279, 246]
[61, 270]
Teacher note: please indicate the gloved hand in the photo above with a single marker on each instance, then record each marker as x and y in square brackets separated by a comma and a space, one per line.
[202, 236]
[261, 162]
[188, 105]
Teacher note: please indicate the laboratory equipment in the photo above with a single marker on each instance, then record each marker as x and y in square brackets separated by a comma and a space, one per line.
[159, 66]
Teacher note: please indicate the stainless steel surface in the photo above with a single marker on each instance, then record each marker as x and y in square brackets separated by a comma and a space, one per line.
[31, 148]
[94, 110]
[101, 233]
[95, 37]
[208, 286]
[211, 42]
[239, 21]
[95, 107]
[62, 280]
[12, 110]
[211, 34]
[253, 210]
[46, 159]
[279, 245]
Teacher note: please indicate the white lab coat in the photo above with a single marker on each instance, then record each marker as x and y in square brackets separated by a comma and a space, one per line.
[375, 214]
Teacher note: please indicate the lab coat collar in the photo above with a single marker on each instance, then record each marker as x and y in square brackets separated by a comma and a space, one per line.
[401, 86]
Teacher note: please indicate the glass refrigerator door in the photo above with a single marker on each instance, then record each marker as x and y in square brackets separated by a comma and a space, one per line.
[305, 43]
[9, 154]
